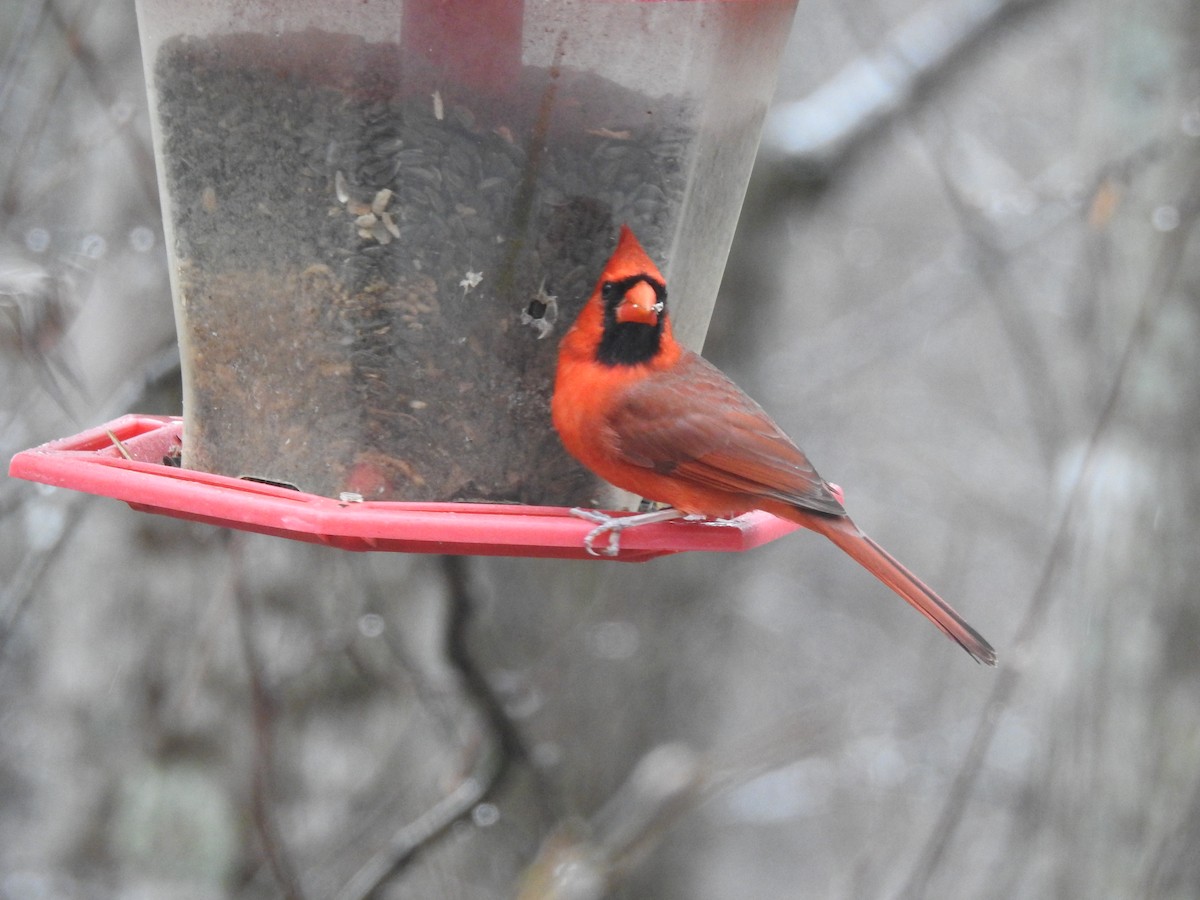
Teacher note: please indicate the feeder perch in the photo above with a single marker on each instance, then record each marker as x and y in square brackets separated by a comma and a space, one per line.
[148, 482]
[379, 220]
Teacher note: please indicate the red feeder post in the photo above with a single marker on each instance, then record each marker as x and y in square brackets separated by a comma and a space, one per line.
[470, 42]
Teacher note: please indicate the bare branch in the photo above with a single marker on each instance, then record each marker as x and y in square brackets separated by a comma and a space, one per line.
[585, 863]
[263, 706]
[809, 137]
[492, 759]
[1009, 679]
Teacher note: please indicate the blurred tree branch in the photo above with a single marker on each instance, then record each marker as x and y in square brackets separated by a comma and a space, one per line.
[496, 751]
[95, 75]
[1164, 276]
[806, 139]
[263, 712]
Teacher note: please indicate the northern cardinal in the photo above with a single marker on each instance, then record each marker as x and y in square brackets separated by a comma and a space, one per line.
[654, 418]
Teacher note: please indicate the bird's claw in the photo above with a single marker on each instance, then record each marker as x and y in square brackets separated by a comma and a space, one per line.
[614, 525]
[605, 524]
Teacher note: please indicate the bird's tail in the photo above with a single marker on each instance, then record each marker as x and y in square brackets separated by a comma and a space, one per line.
[843, 532]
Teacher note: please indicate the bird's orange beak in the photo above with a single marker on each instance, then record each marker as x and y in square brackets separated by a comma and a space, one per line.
[640, 304]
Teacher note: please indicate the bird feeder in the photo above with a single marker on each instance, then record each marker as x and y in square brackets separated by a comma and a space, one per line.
[381, 216]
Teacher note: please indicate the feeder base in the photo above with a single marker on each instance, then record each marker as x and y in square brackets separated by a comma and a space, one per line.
[91, 462]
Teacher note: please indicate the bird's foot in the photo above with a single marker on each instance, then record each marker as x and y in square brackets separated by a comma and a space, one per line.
[614, 525]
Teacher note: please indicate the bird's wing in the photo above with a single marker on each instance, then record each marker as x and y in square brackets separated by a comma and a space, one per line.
[696, 425]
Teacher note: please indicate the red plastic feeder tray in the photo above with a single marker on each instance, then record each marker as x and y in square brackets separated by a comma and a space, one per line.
[92, 463]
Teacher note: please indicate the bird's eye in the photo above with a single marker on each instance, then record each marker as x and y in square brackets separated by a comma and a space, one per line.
[608, 291]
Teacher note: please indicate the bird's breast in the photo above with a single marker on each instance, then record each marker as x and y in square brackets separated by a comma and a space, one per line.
[584, 395]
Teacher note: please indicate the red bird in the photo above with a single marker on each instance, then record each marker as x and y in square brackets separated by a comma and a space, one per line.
[650, 416]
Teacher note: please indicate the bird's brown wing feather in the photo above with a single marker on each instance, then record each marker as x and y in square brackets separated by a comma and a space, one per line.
[694, 423]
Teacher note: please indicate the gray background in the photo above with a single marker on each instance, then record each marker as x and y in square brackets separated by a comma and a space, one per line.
[974, 302]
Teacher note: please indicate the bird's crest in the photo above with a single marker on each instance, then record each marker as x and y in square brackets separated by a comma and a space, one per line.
[630, 259]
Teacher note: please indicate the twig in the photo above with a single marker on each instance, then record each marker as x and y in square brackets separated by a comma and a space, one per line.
[119, 444]
[492, 760]
[96, 77]
[666, 782]
[20, 48]
[24, 149]
[1032, 369]
[160, 365]
[462, 606]
[263, 709]
[21, 585]
[1176, 849]
[807, 138]
[422, 831]
[1010, 678]
[577, 863]
[19, 590]
[587, 861]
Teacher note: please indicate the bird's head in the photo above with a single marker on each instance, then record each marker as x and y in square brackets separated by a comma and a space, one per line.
[632, 295]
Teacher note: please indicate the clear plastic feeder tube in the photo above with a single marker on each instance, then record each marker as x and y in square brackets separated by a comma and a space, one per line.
[381, 216]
